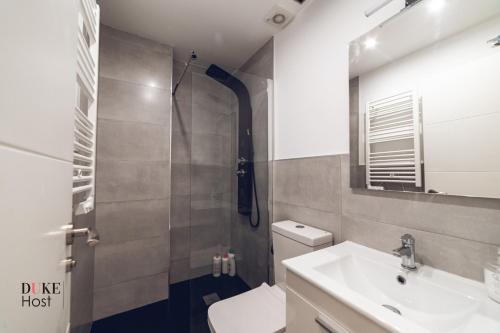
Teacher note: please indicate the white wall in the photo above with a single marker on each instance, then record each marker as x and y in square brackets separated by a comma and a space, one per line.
[311, 76]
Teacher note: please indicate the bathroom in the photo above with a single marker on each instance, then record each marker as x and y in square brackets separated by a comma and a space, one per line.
[233, 166]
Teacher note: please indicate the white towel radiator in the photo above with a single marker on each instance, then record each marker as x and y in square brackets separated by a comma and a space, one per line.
[393, 141]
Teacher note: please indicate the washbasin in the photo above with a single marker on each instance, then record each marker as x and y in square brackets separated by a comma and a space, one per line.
[373, 282]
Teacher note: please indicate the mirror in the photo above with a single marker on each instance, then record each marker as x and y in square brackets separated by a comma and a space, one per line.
[424, 92]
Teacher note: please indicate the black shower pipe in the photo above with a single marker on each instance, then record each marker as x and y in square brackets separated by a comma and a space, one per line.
[246, 172]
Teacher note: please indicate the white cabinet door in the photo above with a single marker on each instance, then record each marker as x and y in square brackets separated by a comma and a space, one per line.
[302, 316]
[37, 99]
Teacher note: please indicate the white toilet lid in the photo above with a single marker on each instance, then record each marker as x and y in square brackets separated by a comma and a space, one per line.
[262, 310]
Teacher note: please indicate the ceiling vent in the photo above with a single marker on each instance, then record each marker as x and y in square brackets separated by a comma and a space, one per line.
[279, 17]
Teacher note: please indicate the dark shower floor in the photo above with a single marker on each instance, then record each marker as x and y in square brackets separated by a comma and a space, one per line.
[184, 311]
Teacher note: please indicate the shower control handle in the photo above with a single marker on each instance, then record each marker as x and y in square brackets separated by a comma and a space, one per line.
[240, 172]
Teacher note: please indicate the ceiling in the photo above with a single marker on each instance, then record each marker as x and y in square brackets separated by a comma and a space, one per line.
[225, 32]
[417, 28]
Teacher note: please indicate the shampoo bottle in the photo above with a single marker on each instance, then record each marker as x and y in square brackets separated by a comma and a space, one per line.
[232, 264]
[216, 265]
[225, 264]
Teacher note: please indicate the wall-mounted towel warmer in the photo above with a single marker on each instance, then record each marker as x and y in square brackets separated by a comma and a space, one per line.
[393, 141]
[86, 106]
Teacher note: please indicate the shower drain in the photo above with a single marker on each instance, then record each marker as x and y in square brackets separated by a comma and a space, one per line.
[392, 308]
[211, 299]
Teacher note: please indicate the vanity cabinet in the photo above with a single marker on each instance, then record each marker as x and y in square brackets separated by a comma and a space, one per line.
[302, 316]
[311, 310]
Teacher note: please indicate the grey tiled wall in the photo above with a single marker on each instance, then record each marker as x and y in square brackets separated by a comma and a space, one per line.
[82, 276]
[308, 190]
[455, 234]
[261, 63]
[133, 173]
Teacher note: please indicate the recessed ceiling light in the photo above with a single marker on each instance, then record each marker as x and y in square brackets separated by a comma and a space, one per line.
[370, 43]
[436, 6]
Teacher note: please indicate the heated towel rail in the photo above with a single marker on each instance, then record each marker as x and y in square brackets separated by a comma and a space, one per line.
[85, 113]
[393, 140]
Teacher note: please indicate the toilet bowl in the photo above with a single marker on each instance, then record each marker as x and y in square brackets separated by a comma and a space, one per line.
[263, 309]
[259, 310]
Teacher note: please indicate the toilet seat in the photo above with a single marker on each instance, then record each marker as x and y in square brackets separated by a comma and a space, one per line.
[259, 310]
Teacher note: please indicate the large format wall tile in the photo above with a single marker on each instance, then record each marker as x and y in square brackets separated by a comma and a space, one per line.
[179, 270]
[116, 263]
[261, 62]
[129, 220]
[125, 180]
[121, 100]
[210, 180]
[130, 295]
[211, 201]
[210, 216]
[310, 182]
[180, 208]
[180, 243]
[181, 147]
[132, 173]
[209, 236]
[136, 40]
[207, 121]
[181, 115]
[82, 276]
[181, 179]
[210, 149]
[123, 60]
[209, 95]
[132, 141]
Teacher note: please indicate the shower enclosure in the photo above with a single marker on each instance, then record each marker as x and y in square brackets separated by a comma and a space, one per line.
[220, 187]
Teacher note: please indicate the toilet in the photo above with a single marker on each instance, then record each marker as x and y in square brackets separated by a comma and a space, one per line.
[263, 309]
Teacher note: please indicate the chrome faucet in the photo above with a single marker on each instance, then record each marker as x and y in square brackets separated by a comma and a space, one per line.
[407, 252]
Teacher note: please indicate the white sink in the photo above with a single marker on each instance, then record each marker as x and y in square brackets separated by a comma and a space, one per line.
[429, 300]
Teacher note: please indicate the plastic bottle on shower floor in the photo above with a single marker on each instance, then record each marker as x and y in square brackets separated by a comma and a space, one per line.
[216, 265]
[225, 264]
[232, 264]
